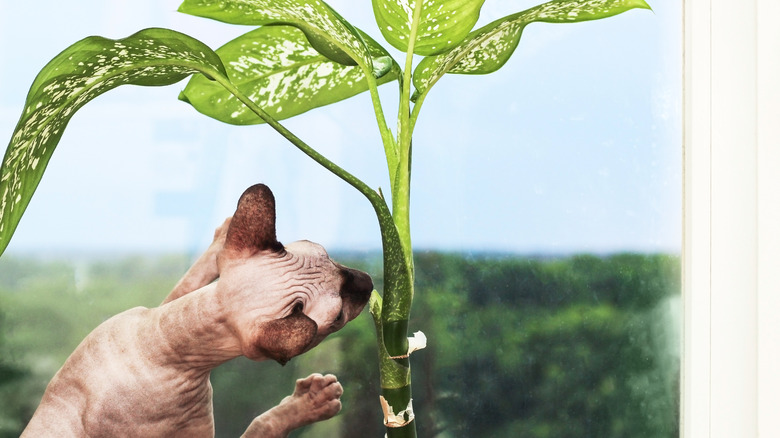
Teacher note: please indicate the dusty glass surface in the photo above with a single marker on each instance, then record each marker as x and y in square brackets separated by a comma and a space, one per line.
[546, 206]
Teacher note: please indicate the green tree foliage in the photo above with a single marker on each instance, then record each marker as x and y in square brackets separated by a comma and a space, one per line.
[10, 374]
[560, 347]
[566, 347]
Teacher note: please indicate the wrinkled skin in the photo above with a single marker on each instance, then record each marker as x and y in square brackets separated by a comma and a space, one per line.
[145, 372]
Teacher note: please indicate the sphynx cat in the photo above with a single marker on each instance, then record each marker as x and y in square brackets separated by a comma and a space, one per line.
[145, 372]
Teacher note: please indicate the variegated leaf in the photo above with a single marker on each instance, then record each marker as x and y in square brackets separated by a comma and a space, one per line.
[326, 30]
[443, 23]
[278, 69]
[487, 49]
[82, 72]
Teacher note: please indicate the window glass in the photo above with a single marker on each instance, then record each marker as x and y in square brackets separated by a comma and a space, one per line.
[546, 219]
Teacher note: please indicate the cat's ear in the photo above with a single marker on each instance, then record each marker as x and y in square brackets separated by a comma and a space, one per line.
[253, 227]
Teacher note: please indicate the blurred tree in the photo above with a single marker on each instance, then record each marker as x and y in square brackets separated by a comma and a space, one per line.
[548, 347]
[10, 375]
[534, 347]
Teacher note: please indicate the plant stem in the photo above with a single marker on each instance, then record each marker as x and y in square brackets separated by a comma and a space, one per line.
[393, 321]
[390, 145]
[373, 197]
[416, 110]
[402, 188]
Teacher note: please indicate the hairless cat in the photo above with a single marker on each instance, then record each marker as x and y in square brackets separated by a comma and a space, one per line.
[145, 372]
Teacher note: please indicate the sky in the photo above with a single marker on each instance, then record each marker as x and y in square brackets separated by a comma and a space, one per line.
[573, 146]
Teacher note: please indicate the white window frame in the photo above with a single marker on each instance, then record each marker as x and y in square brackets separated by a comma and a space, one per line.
[731, 248]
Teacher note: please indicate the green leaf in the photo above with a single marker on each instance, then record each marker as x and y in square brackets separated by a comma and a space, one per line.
[82, 72]
[326, 30]
[443, 23]
[488, 49]
[278, 69]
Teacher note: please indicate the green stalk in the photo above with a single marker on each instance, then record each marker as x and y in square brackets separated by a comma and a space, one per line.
[402, 189]
[416, 110]
[390, 145]
[391, 314]
[376, 200]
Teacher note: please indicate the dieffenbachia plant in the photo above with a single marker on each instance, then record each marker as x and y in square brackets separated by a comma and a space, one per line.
[299, 55]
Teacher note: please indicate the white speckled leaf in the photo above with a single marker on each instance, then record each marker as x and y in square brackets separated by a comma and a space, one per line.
[82, 72]
[280, 71]
[487, 49]
[443, 23]
[326, 30]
